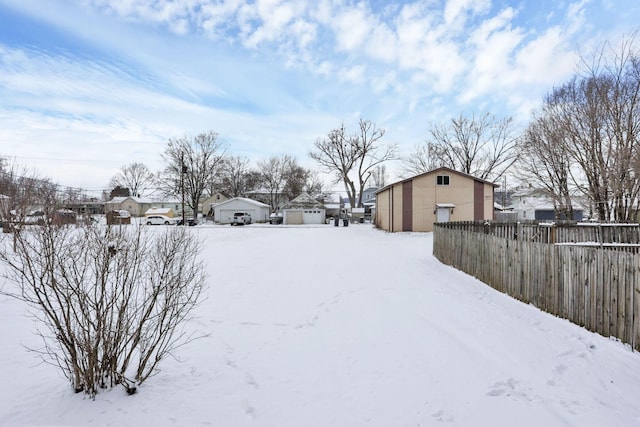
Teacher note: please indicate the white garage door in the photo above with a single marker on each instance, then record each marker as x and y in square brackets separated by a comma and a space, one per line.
[313, 216]
[225, 216]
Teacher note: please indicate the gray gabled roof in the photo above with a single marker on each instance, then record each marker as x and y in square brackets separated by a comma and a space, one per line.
[303, 199]
[244, 199]
[121, 199]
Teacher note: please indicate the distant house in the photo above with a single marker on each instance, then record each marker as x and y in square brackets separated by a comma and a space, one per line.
[275, 199]
[138, 206]
[369, 202]
[369, 196]
[536, 204]
[135, 205]
[175, 205]
[440, 195]
[223, 212]
[209, 202]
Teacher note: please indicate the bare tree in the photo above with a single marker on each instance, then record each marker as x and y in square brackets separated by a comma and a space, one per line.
[422, 159]
[71, 195]
[351, 158]
[379, 176]
[235, 179]
[314, 186]
[192, 165]
[598, 117]
[23, 190]
[545, 161]
[136, 177]
[298, 180]
[483, 146]
[110, 302]
[274, 173]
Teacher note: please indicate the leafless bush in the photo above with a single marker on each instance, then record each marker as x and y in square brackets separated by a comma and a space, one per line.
[111, 302]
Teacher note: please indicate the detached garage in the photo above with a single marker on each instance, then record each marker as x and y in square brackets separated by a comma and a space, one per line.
[304, 216]
[441, 195]
[223, 212]
[304, 209]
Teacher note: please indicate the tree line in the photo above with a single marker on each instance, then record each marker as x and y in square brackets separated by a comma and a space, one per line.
[200, 165]
[585, 138]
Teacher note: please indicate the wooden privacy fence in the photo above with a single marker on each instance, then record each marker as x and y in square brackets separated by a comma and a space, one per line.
[593, 287]
[606, 235]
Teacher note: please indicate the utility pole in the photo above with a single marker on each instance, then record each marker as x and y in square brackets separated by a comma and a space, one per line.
[504, 191]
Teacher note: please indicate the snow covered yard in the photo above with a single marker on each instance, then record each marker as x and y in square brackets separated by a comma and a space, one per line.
[335, 326]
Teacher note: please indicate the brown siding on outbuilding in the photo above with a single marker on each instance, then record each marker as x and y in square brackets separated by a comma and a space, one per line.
[390, 215]
[478, 201]
[396, 208]
[407, 206]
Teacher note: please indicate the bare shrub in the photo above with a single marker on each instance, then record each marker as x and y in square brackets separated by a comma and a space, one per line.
[110, 302]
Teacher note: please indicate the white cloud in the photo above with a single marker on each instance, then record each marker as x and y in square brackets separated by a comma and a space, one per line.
[384, 82]
[272, 18]
[455, 10]
[355, 74]
[576, 16]
[382, 44]
[545, 60]
[325, 68]
[425, 47]
[492, 47]
[304, 32]
[351, 27]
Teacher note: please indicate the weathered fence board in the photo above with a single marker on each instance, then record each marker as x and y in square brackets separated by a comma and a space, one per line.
[592, 286]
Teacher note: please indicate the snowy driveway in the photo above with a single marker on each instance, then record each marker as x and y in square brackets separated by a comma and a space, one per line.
[335, 326]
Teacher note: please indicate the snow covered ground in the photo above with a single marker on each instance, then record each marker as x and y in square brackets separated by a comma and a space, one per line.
[335, 326]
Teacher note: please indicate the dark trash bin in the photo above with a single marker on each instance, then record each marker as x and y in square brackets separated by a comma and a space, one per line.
[345, 222]
[362, 220]
[337, 221]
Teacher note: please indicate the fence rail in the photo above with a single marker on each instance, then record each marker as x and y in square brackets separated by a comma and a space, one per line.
[554, 232]
[579, 280]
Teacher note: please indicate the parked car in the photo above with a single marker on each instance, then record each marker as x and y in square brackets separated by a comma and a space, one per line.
[275, 218]
[160, 220]
[241, 218]
[36, 217]
[190, 222]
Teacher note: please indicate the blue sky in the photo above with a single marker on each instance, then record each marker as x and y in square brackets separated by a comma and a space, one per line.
[87, 86]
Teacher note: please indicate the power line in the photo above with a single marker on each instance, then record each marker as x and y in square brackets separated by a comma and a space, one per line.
[59, 159]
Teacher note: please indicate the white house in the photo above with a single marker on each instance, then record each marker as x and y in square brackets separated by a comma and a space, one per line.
[136, 206]
[536, 204]
[211, 201]
[223, 212]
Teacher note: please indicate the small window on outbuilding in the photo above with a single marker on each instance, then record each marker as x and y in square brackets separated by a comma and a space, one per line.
[442, 180]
